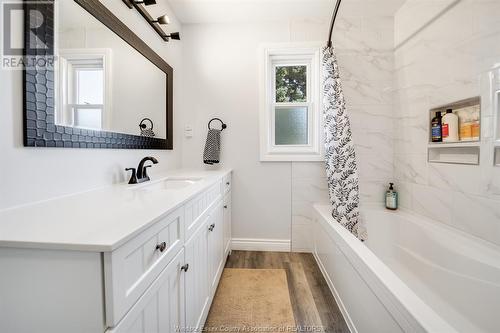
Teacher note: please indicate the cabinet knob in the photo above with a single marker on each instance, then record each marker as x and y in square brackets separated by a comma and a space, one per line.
[228, 183]
[225, 206]
[185, 268]
[161, 246]
[212, 227]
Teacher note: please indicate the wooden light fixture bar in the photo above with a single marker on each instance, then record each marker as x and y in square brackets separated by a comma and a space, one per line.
[140, 8]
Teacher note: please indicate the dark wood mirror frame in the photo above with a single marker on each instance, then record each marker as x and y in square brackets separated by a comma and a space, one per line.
[40, 129]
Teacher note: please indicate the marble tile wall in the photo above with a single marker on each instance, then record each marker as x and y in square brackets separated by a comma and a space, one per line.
[309, 186]
[364, 44]
[451, 58]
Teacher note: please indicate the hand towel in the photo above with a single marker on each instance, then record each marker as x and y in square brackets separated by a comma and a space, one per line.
[211, 154]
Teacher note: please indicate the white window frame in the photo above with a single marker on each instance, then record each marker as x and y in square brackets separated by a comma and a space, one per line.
[290, 55]
[66, 105]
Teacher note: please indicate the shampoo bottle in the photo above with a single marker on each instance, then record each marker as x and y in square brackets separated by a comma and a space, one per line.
[391, 198]
[450, 127]
[436, 128]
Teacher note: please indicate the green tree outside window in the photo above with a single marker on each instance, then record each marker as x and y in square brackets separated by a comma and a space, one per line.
[291, 84]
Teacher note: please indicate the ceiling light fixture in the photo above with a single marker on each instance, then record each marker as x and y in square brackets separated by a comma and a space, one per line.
[162, 20]
[146, 2]
[155, 24]
[174, 35]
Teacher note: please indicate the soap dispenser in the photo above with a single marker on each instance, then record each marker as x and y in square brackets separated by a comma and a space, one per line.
[391, 198]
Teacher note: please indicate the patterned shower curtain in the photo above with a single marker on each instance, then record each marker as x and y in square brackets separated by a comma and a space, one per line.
[340, 155]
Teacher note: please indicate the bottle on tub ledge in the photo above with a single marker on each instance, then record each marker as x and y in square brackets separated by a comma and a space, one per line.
[450, 127]
[391, 198]
[436, 127]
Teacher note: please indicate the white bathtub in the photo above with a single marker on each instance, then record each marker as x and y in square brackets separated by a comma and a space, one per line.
[412, 275]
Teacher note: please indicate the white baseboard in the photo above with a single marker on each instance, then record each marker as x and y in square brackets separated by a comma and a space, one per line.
[253, 244]
[301, 250]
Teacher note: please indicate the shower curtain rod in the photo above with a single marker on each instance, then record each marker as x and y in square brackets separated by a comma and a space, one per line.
[335, 12]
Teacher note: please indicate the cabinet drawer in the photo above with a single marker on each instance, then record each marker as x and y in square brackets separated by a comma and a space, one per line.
[130, 270]
[226, 184]
[198, 208]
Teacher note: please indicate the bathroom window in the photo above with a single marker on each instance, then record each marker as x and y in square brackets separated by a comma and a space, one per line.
[87, 111]
[290, 119]
[84, 80]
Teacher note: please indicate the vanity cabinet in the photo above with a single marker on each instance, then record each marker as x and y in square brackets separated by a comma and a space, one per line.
[184, 290]
[161, 279]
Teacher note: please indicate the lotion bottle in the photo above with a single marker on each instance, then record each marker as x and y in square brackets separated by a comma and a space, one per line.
[391, 198]
[449, 127]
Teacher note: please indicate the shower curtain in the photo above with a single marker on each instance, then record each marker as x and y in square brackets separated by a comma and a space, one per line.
[340, 155]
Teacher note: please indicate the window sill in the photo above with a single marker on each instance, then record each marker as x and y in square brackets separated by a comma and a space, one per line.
[292, 158]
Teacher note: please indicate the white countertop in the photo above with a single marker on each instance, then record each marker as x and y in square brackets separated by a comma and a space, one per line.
[99, 220]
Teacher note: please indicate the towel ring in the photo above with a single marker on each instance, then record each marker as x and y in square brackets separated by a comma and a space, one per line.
[145, 131]
[142, 125]
[224, 126]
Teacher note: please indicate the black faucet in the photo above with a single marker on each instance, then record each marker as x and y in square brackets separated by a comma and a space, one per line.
[142, 175]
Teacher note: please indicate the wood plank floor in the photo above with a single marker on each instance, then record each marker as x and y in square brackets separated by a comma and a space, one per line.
[312, 302]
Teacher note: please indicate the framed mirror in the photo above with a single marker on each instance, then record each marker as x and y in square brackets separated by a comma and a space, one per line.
[91, 82]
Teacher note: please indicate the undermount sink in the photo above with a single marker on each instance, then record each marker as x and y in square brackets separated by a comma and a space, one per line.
[169, 184]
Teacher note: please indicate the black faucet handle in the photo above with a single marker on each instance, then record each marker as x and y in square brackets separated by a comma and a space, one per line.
[133, 178]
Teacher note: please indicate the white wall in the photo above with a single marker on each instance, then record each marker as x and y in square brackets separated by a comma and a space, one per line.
[33, 174]
[450, 50]
[221, 69]
[222, 79]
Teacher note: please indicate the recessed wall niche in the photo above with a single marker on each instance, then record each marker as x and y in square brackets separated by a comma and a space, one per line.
[466, 150]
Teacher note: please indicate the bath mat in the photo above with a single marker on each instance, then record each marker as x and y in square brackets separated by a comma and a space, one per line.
[251, 300]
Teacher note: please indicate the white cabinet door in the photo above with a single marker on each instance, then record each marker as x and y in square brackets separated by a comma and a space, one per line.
[197, 292]
[227, 224]
[161, 308]
[215, 245]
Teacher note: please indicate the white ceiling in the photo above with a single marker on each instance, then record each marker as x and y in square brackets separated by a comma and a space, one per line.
[239, 11]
